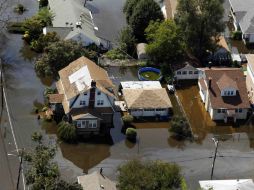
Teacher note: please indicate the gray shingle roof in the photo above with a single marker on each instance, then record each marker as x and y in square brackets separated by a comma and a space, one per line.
[244, 13]
[67, 14]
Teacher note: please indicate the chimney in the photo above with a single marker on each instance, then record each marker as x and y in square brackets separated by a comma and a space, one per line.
[210, 82]
[92, 94]
[93, 83]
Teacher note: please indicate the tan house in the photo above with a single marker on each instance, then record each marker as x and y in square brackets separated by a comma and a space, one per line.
[250, 77]
[146, 98]
[224, 93]
[96, 181]
[86, 93]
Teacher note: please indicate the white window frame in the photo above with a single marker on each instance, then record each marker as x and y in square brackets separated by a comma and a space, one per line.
[82, 103]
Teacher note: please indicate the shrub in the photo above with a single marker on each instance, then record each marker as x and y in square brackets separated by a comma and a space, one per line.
[15, 27]
[48, 91]
[236, 35]
[131, 133]
[67, 132]
[179, 127]
[20, 8]
[127, 119]
[116, 54]
[43, 3]
[43, 41]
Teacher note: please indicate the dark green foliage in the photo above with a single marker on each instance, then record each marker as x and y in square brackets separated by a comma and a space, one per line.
[127, 119]
[15, 27]
[67, 132]
[149, 175]
[180, 127]
[128, 8]
[165, 42]
[20, 8]
[33, 28]
[58, 55]
[44, 41]
[144, 12]
[236, 35]
[43, 3]
[127, 42]
[200, 21]
[131, 133]
[43, 173]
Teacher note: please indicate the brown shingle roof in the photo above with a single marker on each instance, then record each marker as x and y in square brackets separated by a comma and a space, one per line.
[55, 98]
[226, 82]
[97, 73]
[227, 102]
[146, 98]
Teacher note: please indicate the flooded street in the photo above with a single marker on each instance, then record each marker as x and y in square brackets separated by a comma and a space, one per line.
[25, 89]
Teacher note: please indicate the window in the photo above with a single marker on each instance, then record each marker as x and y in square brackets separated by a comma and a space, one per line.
[149, 109]
[178, 72]
[85, 124]
[99, 93]
[240, 110]
[231, 93]
[195, 72]
[190, 72]
[228, 93]
[184, 72]
[82, 102]
[225, 93]
[223, 110]
[78, 124]
[219, 110]
[100, 102]
[85, 93]
[92, 124]
[160, 109]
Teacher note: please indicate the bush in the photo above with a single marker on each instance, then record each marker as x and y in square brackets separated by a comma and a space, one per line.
[67, 132]
[127, 119]
[43, 3]
[15, 27]
[115, 54]
[43, 41]
[179, 127]
[48, 91]
[20, 8]
[236, 35]
[131, 134]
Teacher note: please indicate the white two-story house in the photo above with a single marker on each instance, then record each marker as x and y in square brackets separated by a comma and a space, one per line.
[224, 94]
[86, 93]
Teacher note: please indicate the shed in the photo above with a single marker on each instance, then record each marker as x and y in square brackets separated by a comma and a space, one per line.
[141, 51]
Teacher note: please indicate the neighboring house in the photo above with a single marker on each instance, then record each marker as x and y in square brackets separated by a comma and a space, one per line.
[243, 16]
[236, 184]
[222, 54]
[86, 93]
[141, 51]
[73, 21]
[224, 93]
[250, 77]
[186, 72]
[169, 8]
[96, 181]
[146, 98]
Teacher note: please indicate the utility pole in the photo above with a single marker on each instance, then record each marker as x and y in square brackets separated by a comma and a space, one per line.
[216, 142]
[20, 166]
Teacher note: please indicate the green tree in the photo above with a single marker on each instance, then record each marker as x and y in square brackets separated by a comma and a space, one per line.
[43, 173]
[58, 55]
[67, 132]
[127, 41]
[180, 127]
[201, 21]
[33, 27]
[144, 12]
[165, 42]
[44, 41]
[148, 175]
[45, 16]
[128, 8]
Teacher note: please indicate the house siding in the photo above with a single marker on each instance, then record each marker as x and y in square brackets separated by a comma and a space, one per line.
[144, 113]
[188, 75]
